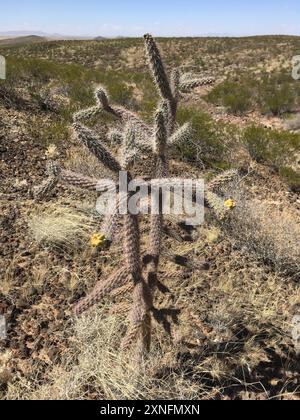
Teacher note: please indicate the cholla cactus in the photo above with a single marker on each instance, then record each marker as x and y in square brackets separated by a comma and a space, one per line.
[140, 275]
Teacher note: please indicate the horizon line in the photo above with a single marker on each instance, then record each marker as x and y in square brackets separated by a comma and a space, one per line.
[20, 33]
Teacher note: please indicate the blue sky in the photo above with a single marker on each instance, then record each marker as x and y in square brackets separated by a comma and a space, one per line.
[160, 17]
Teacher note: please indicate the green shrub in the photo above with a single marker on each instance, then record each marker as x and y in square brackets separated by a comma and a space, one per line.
[78, 80]
[277, 94]
[46, 134]
[277, 148]
[210, 142]
[233, 95]
[274, 93]
[291, 177]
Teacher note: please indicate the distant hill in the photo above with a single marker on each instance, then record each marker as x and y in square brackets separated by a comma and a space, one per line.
[48, 36]
[31, 39]
[100, 38]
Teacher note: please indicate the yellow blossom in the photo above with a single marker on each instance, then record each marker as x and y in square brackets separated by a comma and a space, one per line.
[230, 204]
[98, 240]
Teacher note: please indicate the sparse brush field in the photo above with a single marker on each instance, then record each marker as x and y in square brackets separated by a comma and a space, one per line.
[231, 330]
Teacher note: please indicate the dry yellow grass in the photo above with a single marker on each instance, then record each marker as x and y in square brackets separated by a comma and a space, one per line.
[270, 231]
[248, 314]
[96, 369]
[63, 227]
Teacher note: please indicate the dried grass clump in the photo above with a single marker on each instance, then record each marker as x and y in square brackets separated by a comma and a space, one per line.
[96, 368]
[62, 227]
[268, 231]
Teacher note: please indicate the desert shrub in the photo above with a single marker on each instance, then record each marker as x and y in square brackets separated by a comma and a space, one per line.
[270, 146]
[267, 232]
[10, 98]
[236, 97]
[278, 102]
[214, 47]
[77, 80]
[277, 94]
[57, 133]
[270, 93]
[210, 141]
[291, 177]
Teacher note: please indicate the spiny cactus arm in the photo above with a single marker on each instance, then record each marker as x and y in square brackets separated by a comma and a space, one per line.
[94, 144]
[43, 191]
[216, 204]
[140, 321]
[88, 113]
[120, 309]
[188, 83]
[129, 150]
[112, 222]
[121, 291]
[116, 137]
[132, 246]
[168, 91]
[175, 84]
[166, 110]
[157, 68]
[181, 136]
[157, 219]
[119, 112]
[91, 184]
[223, 179]
[81, 181]
[101, 290]
[160, 144]
[160, 134]
[142, 297]
[58, 174]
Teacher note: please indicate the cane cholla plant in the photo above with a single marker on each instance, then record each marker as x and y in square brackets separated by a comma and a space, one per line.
[140, 275]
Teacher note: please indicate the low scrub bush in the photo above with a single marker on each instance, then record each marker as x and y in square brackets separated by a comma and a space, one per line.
[291, 177]
[234, 96]
[276, 148]
[277, 94]
[210, 141]
[267, 232]
[273, 94]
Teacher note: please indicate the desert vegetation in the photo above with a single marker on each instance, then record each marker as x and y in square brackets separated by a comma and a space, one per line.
[84, 296]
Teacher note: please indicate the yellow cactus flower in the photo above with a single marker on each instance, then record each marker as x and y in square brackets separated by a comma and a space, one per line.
[98, 240]
[230, 204]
